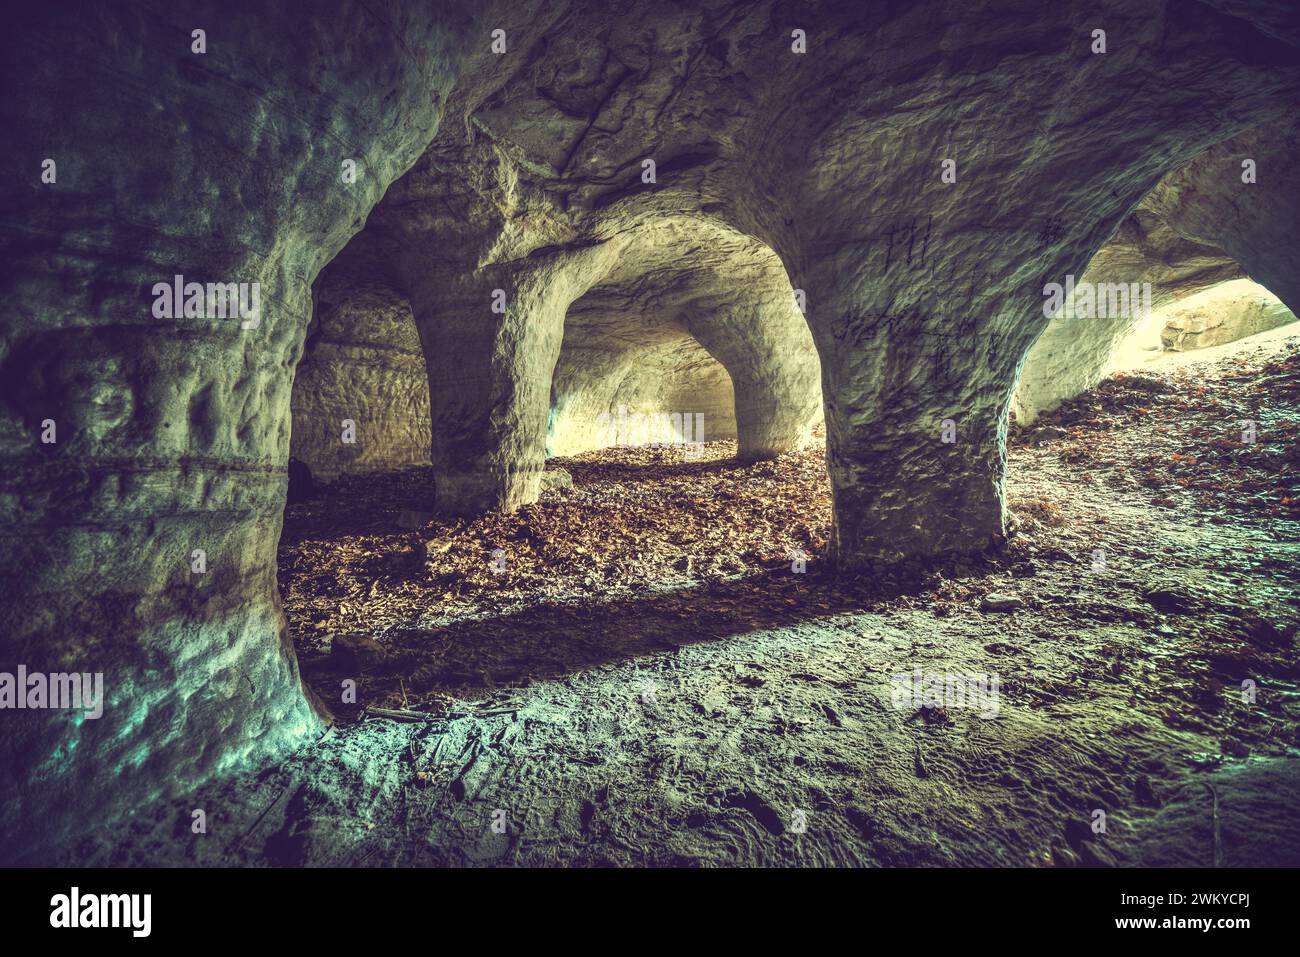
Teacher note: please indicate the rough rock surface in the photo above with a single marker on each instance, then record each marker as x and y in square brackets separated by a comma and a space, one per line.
[1256, 223]
[362, 363]
[529, 177]
[172, 435]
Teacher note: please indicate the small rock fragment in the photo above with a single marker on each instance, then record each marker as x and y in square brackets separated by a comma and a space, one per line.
[1169, 597]
[556, 478]
[995, 601]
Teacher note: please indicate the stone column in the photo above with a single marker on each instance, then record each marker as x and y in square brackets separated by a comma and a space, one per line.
[923, 240]
[491, 341]
[761, 338]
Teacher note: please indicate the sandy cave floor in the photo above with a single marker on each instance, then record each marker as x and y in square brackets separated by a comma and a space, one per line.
[648, 682]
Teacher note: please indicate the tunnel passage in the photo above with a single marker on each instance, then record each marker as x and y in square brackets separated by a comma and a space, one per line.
[492, 268]
[684, 294]
[527, 174]
[1208, 222]
[1074, 351]
[628, 350]
[621, 380]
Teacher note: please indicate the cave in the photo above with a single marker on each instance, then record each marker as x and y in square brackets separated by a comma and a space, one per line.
[618, 434]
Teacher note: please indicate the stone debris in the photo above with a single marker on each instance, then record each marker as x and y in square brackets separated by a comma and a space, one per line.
[996, 602]
[556, 478]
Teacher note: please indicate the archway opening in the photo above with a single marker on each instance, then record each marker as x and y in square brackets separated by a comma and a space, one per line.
[645, 501]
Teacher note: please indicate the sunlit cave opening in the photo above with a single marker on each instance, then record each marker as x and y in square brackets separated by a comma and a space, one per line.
[1232, 317]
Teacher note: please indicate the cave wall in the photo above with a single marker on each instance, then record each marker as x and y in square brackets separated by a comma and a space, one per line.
[1257, 223]
[596, 387]
[172, 434]
[362, 363]
[526, 172]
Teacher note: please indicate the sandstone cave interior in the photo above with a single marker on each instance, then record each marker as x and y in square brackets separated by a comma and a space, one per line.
[613, 433]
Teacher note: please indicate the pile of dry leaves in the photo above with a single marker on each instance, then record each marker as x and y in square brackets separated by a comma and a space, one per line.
[1220, 438]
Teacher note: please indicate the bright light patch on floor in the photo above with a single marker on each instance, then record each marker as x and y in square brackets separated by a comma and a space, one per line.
[1143, 348]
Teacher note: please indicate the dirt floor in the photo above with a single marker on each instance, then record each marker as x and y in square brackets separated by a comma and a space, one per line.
[631, 672]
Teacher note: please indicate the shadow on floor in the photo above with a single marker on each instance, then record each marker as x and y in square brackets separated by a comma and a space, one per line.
[631, 472]
[552, 640]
